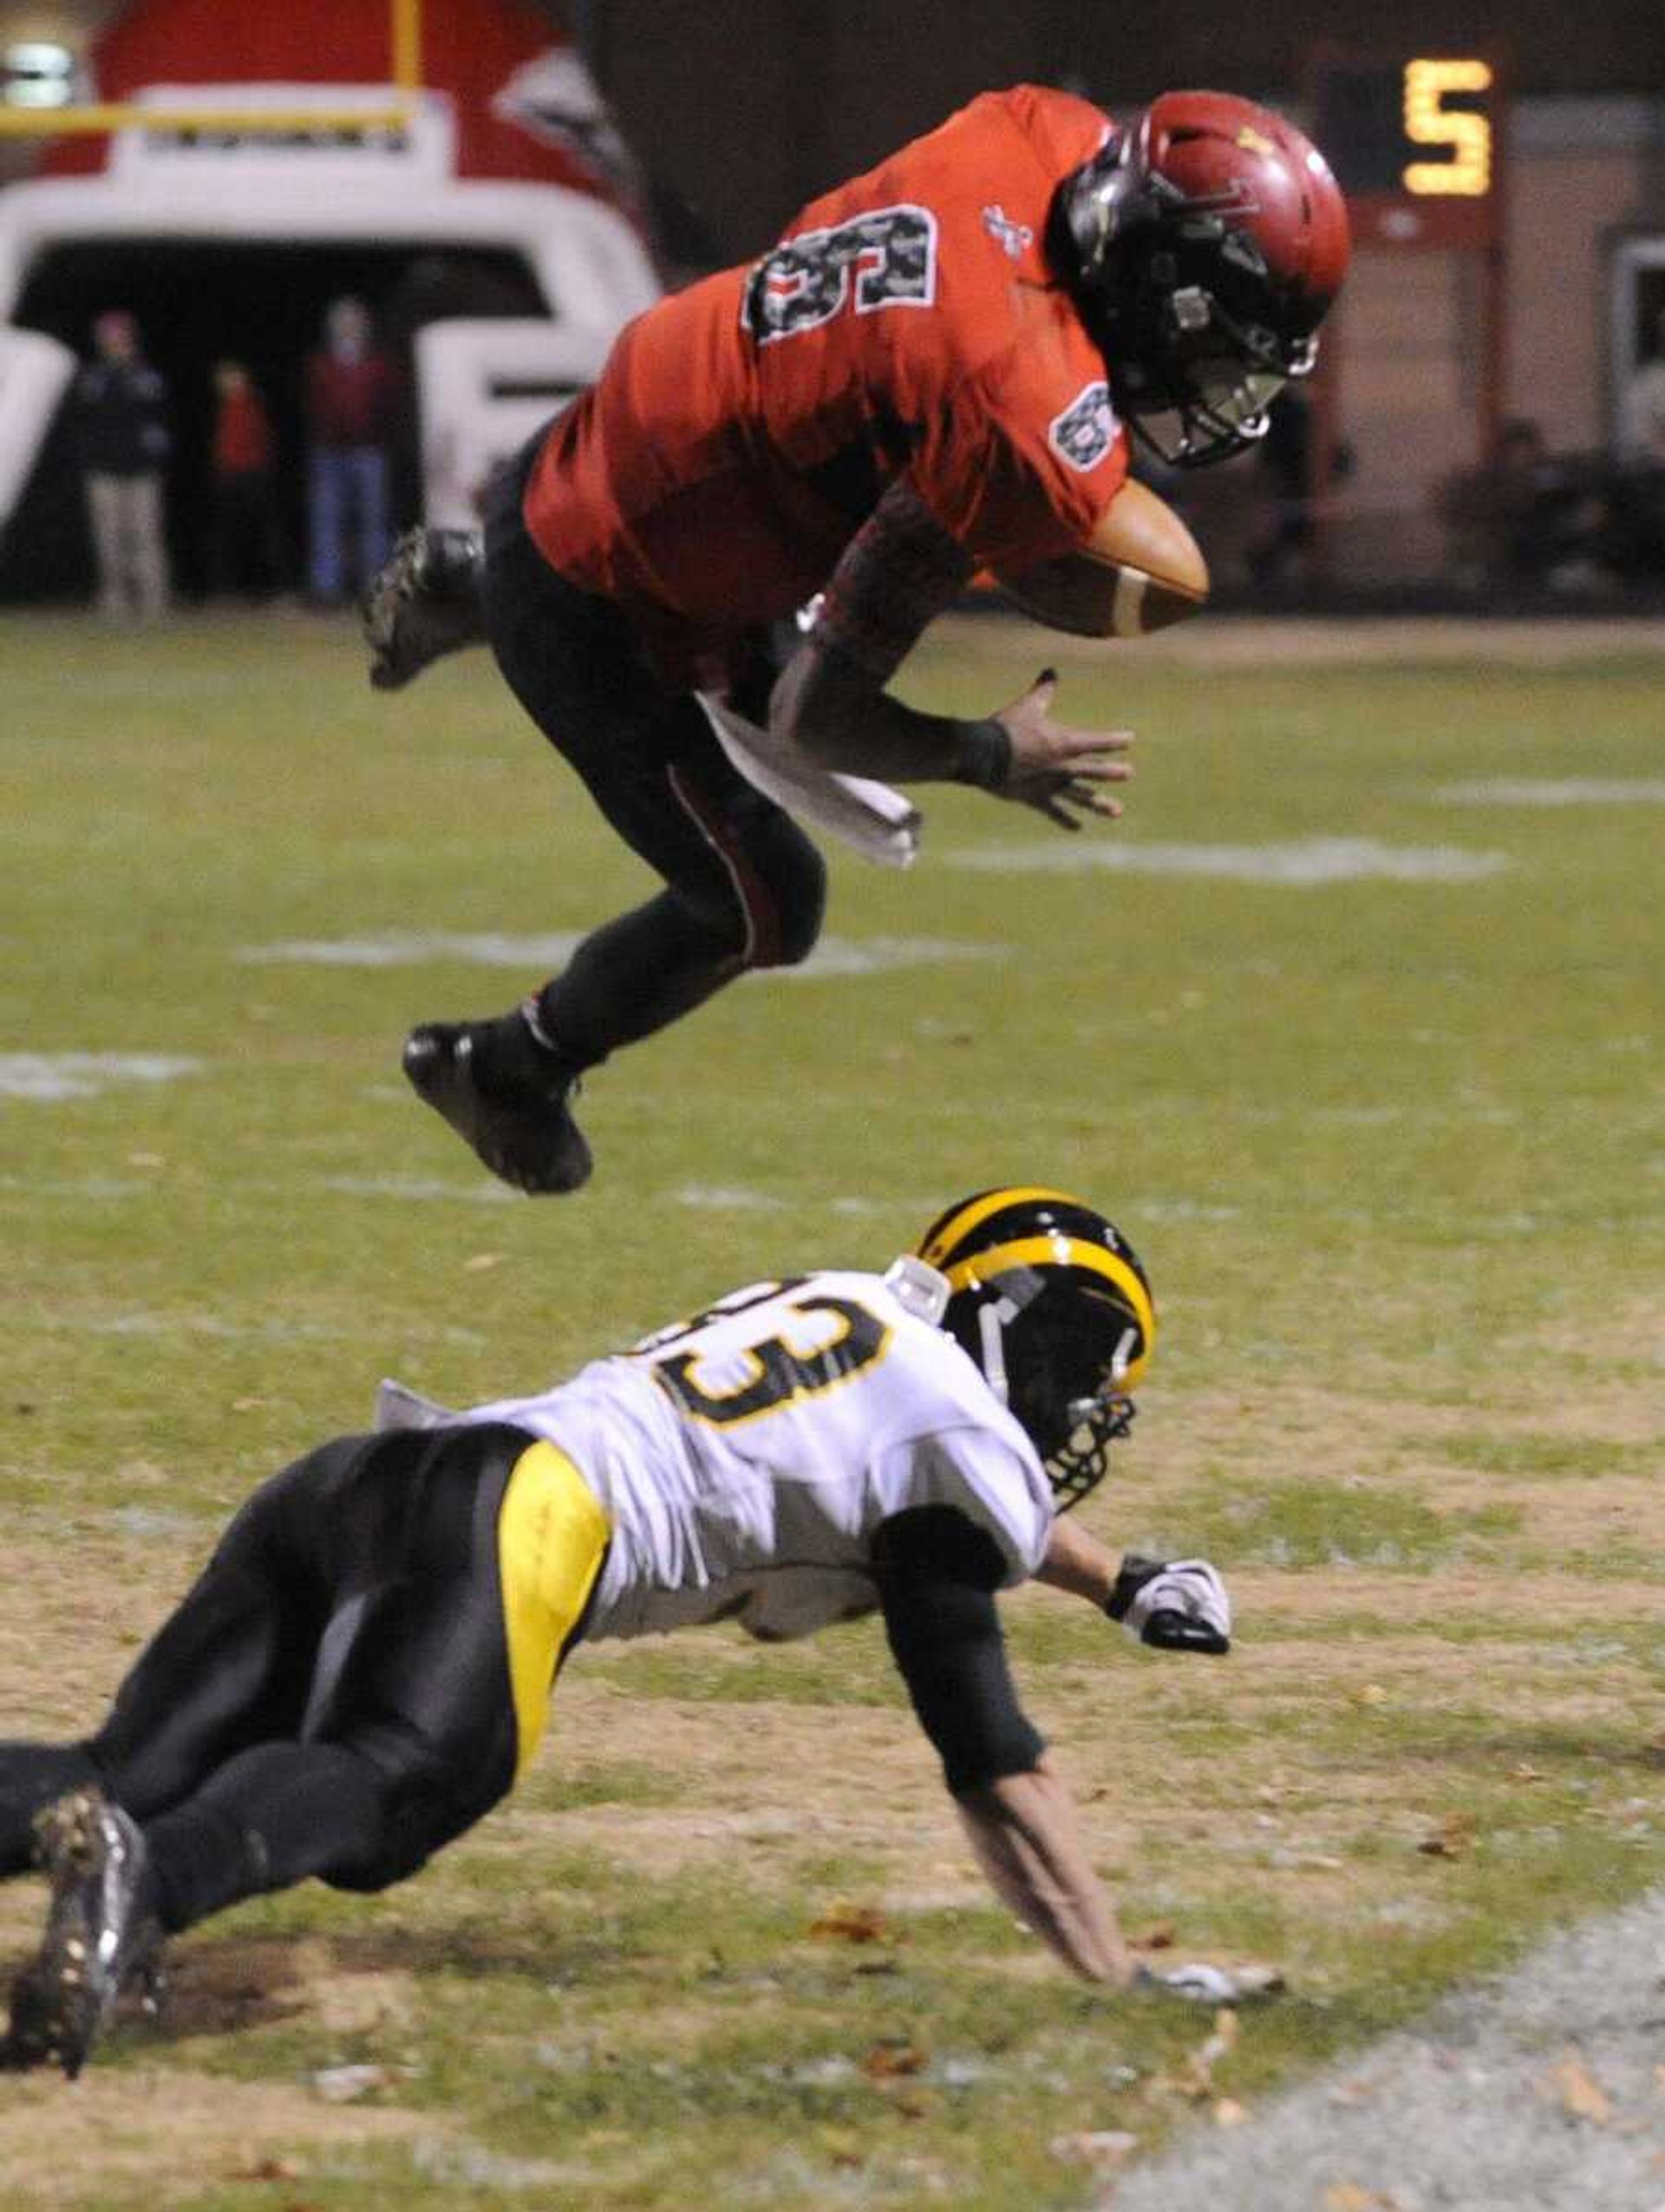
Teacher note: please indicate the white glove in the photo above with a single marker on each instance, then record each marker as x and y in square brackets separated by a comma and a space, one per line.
[1200, 1984]
[1175, 1605]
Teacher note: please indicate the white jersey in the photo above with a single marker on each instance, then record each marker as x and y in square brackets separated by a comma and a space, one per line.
[746, 1457]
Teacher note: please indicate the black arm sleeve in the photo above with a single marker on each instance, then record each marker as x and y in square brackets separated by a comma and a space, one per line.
[899, 571]
[937, 1574]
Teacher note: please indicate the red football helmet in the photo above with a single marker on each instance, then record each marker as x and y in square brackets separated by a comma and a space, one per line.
[1203, 245]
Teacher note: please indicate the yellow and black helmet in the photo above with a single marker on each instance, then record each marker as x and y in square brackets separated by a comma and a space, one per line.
[1051, 1302]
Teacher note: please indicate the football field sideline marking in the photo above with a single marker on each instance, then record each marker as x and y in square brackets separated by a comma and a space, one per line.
[1494, 2103]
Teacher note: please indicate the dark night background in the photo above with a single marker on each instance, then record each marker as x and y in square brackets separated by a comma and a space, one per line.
[747, 109]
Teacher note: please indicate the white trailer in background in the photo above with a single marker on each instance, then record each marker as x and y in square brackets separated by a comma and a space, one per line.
[482, 382]
[35, 373]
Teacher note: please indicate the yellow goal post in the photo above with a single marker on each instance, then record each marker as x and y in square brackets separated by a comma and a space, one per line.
[404, 74]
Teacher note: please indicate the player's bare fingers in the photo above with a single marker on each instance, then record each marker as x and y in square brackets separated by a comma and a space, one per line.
[1097, 802]
[1079, 791]
[1091, 771]
[1071, 743]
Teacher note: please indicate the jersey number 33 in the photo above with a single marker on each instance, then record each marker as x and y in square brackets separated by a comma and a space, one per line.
[735, 1361]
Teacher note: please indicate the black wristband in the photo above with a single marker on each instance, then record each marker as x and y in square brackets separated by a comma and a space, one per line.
[985, 753]
[1131, 1578]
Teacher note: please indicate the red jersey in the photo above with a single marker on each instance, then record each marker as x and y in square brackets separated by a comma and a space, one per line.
[908, 325]
[349, 402]
[242, 434]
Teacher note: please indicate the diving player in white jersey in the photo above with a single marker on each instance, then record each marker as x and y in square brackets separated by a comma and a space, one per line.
[363, 1667]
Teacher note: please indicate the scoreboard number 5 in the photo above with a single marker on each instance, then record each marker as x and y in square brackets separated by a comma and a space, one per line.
[1464, 132]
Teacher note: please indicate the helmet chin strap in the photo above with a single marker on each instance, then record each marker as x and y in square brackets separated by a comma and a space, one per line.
[991, 1339]
[920, 1289]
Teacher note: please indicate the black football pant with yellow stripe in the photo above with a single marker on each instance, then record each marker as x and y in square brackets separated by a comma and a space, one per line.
[357, 1677]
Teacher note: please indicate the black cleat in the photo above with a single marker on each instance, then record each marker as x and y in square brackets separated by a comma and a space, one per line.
[523, 1130]
[98, 1936]
[424, 604]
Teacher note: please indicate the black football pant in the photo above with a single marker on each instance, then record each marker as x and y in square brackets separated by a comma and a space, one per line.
[744, 887]
[332, 1697]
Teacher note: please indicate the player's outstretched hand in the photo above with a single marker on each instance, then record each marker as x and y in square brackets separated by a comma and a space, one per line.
[1061, 772]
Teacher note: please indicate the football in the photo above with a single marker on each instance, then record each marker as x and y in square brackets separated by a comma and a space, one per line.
[1140, 570]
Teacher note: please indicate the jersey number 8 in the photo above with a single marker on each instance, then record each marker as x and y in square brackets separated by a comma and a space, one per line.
[806, 281]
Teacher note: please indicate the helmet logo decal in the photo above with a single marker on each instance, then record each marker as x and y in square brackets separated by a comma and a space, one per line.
[1016, 239]
[1254, 141]
[1087, 429]
[1189, 308]
[1235, 198]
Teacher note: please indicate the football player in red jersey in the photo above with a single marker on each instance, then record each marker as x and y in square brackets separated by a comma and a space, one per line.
[935, 371]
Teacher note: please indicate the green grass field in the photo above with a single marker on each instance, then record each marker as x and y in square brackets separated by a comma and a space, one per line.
[1389, 1145]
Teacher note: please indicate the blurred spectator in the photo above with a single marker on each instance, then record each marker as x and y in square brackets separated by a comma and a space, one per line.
[244, 551]
[1524, 518]
[120, 439]
[350, 401]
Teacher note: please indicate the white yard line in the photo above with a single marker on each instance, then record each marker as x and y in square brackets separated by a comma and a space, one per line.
[51, 1076]
[1303, 862]
[832, 957]
[1254, 640]
[1555, 790]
